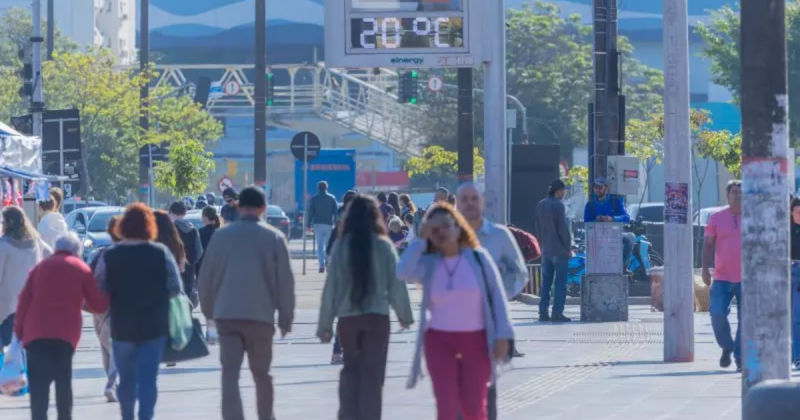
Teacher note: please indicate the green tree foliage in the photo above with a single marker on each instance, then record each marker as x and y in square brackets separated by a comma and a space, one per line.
[186, 171]
[578, 175]
[438, 166]
[550, 69]
[722, 46]
[16, 27]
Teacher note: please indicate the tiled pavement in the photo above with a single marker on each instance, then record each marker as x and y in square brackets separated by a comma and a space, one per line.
[571, 372]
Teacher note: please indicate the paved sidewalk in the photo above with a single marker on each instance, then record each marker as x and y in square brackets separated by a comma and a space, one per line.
[571, 372]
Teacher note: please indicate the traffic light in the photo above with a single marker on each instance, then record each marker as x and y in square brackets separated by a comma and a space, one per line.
[270, 89]
[26, 72]
[408, 89]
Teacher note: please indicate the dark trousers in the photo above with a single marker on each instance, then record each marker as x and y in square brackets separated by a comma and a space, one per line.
[6, 331]
[365, 346]
[50, 361]
[237, 338]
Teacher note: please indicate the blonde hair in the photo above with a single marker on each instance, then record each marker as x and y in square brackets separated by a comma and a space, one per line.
[395, 222]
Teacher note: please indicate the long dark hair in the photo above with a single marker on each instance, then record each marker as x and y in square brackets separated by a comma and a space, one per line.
[16, 224]
[168, 235]
[394, 201]
[362, 223]
[210, 213]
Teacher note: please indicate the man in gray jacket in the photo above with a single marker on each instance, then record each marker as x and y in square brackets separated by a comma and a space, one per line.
[321, 216]
[245, 278]
[556, 242]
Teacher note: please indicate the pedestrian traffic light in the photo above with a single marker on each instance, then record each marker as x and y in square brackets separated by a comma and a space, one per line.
[270, 89]
[408, 87]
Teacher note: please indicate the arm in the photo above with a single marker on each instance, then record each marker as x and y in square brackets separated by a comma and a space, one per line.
[327, 309]
[174, 280]
[398, 291]
[588, 212]
[206, 280]
[515, 275]
[96, 300]
[503, 328]
[408, 268]
[284, 280]
[310, 212]
[562, 229]
[23, 305]
[709, 244]
[623, 216]
[198, 247]
[47, 252]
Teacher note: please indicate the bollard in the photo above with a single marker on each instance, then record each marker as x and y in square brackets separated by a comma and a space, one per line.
[772, 400]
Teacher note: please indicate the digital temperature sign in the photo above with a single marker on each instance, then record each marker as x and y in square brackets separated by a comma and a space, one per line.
[403, 33]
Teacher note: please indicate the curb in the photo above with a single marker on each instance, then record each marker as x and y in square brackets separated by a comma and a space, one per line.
[533, 300]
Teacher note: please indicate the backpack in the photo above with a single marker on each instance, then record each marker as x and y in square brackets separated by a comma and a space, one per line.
[528, 244]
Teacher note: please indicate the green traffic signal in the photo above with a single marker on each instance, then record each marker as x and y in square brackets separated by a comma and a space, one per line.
[414, 74]
[413, 100]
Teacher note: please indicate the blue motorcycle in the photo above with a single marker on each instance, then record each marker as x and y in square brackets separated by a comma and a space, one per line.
[643, 259]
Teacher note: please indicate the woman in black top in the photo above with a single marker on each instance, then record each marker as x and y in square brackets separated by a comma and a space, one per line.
[140, 276]
[212, 222]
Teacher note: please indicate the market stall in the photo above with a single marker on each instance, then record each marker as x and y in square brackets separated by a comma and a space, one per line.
[21, 180]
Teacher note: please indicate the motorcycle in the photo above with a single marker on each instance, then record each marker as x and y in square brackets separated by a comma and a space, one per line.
[643, 259]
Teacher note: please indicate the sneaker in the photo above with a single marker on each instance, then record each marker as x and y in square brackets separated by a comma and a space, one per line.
[725, 360]
[337, 359]
[796, 365]
[544, 318]
[560, 318]
[171, 364]
[321, 270]
[516, 353]
[211, 336]
[111, 394]
[738, 365]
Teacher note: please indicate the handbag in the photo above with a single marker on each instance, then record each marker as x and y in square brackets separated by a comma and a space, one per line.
[486, 286]
[13, 370]
[180, 322]
[196, 348]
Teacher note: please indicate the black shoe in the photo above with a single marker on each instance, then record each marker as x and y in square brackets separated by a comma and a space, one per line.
[560, 318]
[544, 318]
[725, 360]
[738, 365]
[516, 353]
[321, 270]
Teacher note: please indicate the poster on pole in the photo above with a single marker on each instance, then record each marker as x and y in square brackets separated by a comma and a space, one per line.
[676, 203]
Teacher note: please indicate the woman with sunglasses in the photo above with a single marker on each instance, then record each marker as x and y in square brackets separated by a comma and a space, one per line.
[467, 333]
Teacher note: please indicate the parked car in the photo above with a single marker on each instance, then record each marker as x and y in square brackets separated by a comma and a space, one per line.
[90, 224]
[72, 204]
[295, 224]
[705, 214]
[278, 219]
[647, 212]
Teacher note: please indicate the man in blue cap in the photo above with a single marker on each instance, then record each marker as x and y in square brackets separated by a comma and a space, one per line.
[607, 208]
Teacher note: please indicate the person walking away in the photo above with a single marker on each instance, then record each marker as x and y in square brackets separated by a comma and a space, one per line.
[387, 211]
[321, 216]
[603, 207]
[393, 199]
[168, 235]
[192, 245]
[552, 230]
[466, 335]
[21, 249]
[102, 323]
[360, 287]
[48, 323]
[211, 222]
[229, 210]
[247, 277]
[336, 357]
[52, 224]
[408, 207]
[795, 253]
[396, 233]
[140, 277]
[723, 247]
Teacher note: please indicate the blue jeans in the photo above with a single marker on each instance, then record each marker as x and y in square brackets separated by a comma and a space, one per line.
[337, 348]
[554, 266]
[137, 364]
[795, 311]
[321, 234]
[722, 294]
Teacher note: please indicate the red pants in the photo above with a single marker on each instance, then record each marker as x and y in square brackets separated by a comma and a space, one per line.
[459, 366]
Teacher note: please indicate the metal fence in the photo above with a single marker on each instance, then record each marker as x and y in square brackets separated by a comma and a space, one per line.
[534, 284]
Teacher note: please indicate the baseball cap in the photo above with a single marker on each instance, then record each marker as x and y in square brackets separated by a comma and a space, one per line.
[600, 181]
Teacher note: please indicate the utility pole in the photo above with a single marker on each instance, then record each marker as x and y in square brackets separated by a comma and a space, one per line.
[146, 153]
[494, 111]
[37, 103]
[51, 29]
[765, 193]
[608, 141]
[465, 126]
[678, 237]
[260, 138]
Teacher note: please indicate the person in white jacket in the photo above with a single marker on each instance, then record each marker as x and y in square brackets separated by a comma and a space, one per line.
[21, 249]
[52, 224]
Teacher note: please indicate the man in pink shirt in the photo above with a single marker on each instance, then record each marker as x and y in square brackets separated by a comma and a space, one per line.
[723, 244]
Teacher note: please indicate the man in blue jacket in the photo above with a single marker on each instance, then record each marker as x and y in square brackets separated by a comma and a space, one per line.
[607, 208]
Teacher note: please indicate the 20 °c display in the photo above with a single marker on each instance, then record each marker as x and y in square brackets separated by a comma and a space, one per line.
[390, 33]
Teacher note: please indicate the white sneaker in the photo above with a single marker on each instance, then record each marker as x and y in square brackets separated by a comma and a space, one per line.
[110, 394]
[211, 335]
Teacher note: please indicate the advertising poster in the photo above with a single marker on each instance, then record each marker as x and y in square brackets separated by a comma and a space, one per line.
[676, 203]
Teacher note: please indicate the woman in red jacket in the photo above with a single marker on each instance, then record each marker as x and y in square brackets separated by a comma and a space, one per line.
[48, 323]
